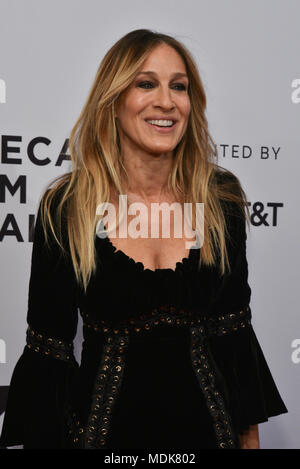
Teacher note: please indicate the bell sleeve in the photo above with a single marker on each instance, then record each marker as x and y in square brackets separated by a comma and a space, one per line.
[42, 377]
[251, 393]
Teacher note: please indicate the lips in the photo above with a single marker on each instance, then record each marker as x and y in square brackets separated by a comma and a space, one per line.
[162, 129]
[161, 119]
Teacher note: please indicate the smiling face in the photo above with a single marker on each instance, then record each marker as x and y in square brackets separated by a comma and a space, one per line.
[161, 94]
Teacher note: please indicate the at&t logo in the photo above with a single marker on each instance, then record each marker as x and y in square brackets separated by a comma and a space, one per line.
[265, 216]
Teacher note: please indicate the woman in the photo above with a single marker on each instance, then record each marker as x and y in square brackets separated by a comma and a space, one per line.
[170, 358]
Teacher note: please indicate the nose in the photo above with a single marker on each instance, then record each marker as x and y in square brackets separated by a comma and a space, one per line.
[163, 98]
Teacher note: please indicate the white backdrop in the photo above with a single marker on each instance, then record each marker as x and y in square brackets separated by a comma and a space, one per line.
[247, 52]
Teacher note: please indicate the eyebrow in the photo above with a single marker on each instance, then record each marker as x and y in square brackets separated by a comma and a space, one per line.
[176, 74]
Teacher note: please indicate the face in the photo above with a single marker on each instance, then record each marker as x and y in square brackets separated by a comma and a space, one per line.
[159, 95]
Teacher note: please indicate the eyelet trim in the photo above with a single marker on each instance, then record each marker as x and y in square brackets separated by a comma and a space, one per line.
[228, 323]
[206, 379]
[110, 373]
[49, 347]
[75, 431]
[107, 386]
[169, 315]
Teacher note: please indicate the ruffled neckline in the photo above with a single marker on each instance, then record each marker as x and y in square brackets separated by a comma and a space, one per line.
[186, 263]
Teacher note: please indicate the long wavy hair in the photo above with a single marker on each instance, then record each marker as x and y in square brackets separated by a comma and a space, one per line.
[97, 164]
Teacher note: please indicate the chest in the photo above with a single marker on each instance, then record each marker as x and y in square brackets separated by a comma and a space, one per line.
[158, 242]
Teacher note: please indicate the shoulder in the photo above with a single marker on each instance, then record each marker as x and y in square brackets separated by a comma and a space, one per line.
[233, 201]
[225, 179]
[53, 206]
[55, 194]
[50, 219]
[229, 191]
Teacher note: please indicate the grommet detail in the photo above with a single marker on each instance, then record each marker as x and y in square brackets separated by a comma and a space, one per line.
[222, 324]
[116, 339]
[206, 379]
[51, 347]
[108, 380]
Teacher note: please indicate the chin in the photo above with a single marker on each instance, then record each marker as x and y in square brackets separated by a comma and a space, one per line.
[161, 150]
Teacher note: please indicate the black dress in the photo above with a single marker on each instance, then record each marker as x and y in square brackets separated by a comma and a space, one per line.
[169, 359]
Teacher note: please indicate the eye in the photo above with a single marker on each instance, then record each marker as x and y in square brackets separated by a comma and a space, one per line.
[144, 84]
[182, 86]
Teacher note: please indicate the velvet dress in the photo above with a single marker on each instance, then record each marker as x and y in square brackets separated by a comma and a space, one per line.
[169, 360]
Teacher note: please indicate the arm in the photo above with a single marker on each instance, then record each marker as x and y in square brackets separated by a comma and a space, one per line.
[252, 396]
[39, 383]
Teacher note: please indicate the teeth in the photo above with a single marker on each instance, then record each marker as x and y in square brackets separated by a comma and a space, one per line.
[162, 123]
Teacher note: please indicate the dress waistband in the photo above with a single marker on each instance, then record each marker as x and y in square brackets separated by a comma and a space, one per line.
[170, 316]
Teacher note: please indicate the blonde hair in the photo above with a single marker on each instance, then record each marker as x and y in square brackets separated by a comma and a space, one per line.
[97, 166]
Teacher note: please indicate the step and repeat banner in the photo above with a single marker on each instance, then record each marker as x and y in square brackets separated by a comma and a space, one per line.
[248, 57]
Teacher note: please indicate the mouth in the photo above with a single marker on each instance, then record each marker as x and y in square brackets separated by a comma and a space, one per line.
[161, 125]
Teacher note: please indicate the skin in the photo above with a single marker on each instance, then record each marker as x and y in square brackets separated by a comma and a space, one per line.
[250, 439]
[147, 154]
